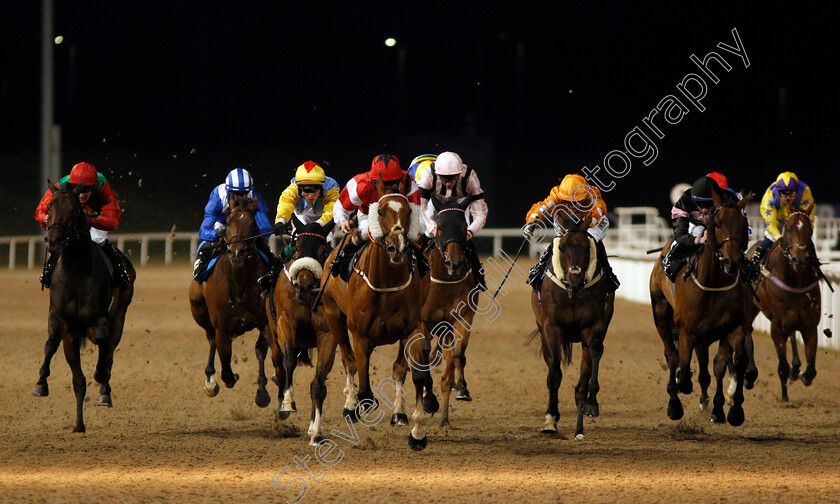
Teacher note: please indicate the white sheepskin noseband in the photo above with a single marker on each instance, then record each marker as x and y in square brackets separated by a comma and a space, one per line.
[308, 263]
[414, 218]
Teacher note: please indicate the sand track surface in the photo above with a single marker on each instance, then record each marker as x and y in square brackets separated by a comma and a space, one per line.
[164, 440]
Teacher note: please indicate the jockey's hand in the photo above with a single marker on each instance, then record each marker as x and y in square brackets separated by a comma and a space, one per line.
[346, 228]
[279, 227]
[220, 233]
[469, 235]
[529, 229]
[703, 239]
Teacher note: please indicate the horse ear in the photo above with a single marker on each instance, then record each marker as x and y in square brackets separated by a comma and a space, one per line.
[297, 222]
[405, 185]
[716, 199]
[436, 202]
[745, 200]
[380, 185]
[254, 205]
[50, 185]
[328, 227]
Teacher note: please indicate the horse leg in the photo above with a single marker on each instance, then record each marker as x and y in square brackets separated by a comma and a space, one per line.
[430, 400]
[262, 399]
[703, 376]
[290, 361]
[460, 360]
[741, 359]
[211, 388]
[684, 371]
[553, 356]
[752, 370]
[780, 343]
[596, 351]
[810, 337]
[318, 388]
[398, 372]
[663, 317]
[582, 389]
[55, 331]
[447, 383]
[72, 346]
[223, 345]
[337, 323]
[106, 358]
[362, 348]
[422, 378]
[721, 360]
[795, 362]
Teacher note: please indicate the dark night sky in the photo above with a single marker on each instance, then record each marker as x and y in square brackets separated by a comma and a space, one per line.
[271, 84]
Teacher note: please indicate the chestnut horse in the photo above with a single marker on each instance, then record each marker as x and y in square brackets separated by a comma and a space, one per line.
[573, 305]
[790, 297]
[228, 304]
[710, 304]
[83, 301]
[451, 282]
[380, 305]
[295, 328]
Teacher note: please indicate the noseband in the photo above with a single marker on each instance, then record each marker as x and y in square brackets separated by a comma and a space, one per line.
[783, 243]
[442, 246]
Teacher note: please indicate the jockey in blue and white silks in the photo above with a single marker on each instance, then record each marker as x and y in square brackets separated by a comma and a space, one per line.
[213, 226]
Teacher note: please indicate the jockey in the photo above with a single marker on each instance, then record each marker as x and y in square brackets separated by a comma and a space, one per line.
[359, 193]
[419, 164]
[311, 196]
[690, 215]
[448, 176]
[784, 197]
[573, 193]
[102, 212]
[237, 183]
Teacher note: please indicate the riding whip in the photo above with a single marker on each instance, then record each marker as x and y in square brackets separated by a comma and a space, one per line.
[333, 265]
[511, 267]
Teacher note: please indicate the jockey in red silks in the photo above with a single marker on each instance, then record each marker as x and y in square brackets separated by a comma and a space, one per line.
[360, 192]
[102, 212]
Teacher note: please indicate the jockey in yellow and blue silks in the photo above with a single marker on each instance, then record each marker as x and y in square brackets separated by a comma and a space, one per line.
[419, 164]
[238, 182]
[784, 197]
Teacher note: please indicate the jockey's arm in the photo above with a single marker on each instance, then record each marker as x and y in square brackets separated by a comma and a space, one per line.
[478, 208]
[214, 219]
[424, 183]
[541, 208]
[286, 205]
[330, 197]
[807, 204]
[42, 211]
[110, 212]
[770, 214]
[263, 222]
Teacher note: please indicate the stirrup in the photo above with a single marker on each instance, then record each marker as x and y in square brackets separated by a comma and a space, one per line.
[264, 283]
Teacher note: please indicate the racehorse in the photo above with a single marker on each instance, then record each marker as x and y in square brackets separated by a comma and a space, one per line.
[575, 306]
[228, 304]
[84, 302]
[705, 305]
[789, 295]
[380, 305]
[451, 282]
[295, 328]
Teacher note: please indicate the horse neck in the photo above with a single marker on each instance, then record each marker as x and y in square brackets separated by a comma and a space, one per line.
[241, 276]
[78, 254]
[709, 270]
[380, 270]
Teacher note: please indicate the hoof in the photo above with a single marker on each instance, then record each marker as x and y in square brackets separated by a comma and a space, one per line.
[105, 400]
[590, 410]
[417, 444]
[579, 437]
[79, 428]
[399, 419]
[546, 429]
[704, 404]
[675, 409]
[794, 375]
[231, 383]
[430, 404]
[749, 384]
[288, 407]
[211, 388]
[262, 398]
[735, 416]
[281, 415]
[41, 390]
[749, 379]
[454, 386]
[275, 379]
[806, 380]
[785, 396]
[350, 413]
[717, 416]
[316, 440]
[463, 395]
[444, 422]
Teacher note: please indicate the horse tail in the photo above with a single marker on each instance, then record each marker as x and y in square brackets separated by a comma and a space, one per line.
[566, 346]
[305, 357]
[567, 353]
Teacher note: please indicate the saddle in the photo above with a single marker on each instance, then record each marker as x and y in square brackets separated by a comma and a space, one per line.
[349, 264]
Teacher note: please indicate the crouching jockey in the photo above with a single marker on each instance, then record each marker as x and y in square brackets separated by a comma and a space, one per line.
[582, 200]
[102, 212]
[359, 193]
[690, 215]
[785, 196]
[238, 184]
[448, 177]
[310, 196]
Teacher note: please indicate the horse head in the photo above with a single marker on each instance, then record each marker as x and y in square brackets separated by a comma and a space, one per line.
[729, 232]
[241, 225]
[307, 264]
[796, 241]
[451, 235]
[394, 221]
[66, 221]
[575, 249]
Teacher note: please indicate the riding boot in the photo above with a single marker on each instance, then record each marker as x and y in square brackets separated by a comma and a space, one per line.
[120, 273]
[49, 267]
[536, 274]
[202, 258]
[757, 258]
[344, 255]
[423, 265]
[673, 256]
[605, 265]
[269, 280]
[477, 268]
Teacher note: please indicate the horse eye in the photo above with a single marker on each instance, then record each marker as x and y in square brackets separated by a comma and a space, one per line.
[380, 212]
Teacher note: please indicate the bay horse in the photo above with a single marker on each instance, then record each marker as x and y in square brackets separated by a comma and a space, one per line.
[789, 295]
[84, 303]
[381, 305]
[573, 305]
[229, 304]
[295, 327]
[705, 305]
[451, 281]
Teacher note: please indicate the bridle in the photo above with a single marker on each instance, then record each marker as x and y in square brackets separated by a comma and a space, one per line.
[72, 235]
[396, 229]
[442, 246]
[783, 242]
[716, 249]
